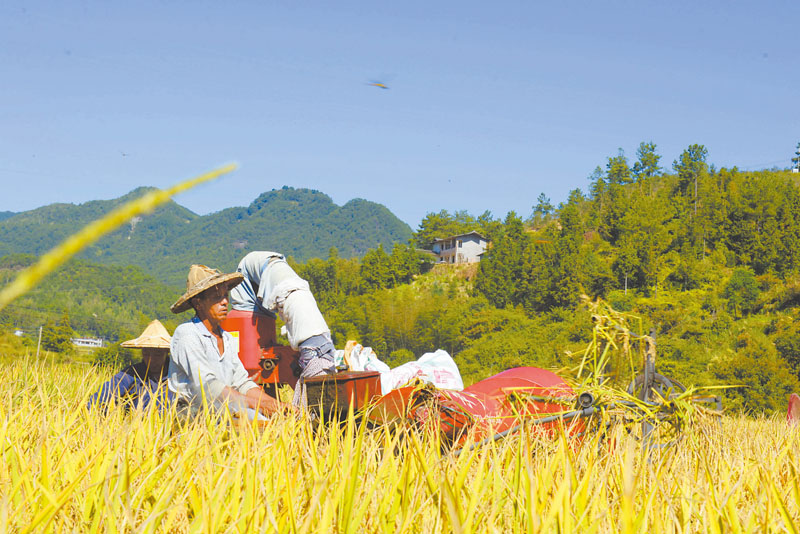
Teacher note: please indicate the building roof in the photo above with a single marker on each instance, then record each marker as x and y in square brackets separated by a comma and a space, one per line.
[436, 240]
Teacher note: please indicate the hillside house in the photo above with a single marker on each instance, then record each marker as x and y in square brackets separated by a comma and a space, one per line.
[89, 342]
[463, 248]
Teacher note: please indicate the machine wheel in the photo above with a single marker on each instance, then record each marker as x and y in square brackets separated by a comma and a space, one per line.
[664, 428]
[660, 388]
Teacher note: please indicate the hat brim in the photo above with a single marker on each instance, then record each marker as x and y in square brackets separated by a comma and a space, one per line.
[230, 280]
[155, 336]
[140, 343]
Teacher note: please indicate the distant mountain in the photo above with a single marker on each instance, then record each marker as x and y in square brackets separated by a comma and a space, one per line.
[6, 214]
[302, 223]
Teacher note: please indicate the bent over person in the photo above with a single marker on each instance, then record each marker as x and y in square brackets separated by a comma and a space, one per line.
[271, 286]
[145, 382]
[205, 359]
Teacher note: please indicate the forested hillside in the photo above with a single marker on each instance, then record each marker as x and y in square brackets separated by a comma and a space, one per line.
[297, 222]
[707, 257]
[89, 299]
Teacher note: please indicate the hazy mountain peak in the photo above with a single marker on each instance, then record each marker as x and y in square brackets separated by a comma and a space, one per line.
[298, 222]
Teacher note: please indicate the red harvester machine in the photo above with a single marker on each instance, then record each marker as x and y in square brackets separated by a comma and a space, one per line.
[489, 409]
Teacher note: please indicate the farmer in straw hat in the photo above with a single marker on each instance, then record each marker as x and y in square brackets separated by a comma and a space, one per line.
[205, 362]
[144, 382]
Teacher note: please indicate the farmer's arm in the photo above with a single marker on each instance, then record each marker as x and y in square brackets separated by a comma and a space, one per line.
[253, 395]
[259, 400]
[116, 388]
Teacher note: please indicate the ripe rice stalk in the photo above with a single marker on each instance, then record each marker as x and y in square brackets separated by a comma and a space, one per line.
[609, 358]
[66, 468]
[239, 473]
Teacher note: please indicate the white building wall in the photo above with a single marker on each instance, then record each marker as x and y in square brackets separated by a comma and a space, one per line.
[460, 249]
[471, 247]
[87, 342]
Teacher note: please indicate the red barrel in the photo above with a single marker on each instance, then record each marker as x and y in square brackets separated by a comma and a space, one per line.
[265, 360]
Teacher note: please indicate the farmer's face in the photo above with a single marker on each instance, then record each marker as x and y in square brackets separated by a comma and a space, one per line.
[154, 359]
[212, 304]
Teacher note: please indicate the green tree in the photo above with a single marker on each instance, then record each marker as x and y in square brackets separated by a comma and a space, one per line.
[376, 270]
[617, 205]
[787, 344]
[741, 291]
[542, 209]
[690, 167]
[597, 184]
[57, 336]
[406, 262]
[627, 261]
[567, 263]
[504, 269]
[323, 280]
[597, 193]
[113, 356]
[766, 378]
[617, 170]
[644, 237]
[488, 226]
[646, 167]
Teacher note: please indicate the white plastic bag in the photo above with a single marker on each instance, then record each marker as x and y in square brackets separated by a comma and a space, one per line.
[365, 359]
[436, 368]
[400, 375]
[362, 359]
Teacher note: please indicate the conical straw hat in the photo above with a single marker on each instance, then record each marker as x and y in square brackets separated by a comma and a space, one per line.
[155, 336]
[201, 278]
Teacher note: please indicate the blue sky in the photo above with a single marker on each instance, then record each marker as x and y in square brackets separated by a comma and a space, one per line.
[490, 103]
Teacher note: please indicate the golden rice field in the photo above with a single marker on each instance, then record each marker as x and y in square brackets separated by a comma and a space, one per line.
[65, 469]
